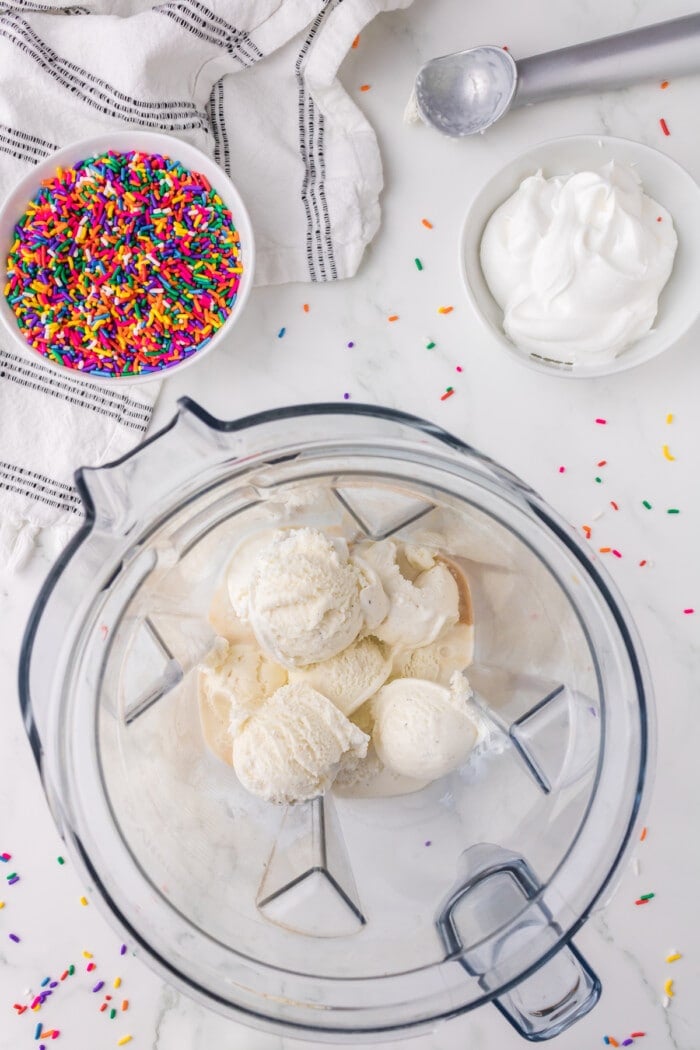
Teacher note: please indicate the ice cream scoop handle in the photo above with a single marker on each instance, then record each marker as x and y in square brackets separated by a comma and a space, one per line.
[660, 51]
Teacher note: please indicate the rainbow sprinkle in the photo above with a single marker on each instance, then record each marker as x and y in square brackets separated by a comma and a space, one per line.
[123, 265]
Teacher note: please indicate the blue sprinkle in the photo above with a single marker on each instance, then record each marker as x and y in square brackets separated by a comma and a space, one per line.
[281, 332]
[45, 982]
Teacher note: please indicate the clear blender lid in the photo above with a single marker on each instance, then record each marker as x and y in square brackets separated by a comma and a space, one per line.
[345, 913]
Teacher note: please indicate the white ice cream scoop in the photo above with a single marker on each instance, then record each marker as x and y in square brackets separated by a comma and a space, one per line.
[307, 600]
[422, 729]
[350, 677]
[291, 749]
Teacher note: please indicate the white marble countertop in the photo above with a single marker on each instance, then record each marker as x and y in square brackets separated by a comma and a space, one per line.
[530, 423]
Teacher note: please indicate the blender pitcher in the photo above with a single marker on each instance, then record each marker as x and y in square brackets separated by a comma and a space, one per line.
[347, 917]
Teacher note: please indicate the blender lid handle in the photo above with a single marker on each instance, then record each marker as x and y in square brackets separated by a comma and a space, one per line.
[528, 1006]
[497, 888]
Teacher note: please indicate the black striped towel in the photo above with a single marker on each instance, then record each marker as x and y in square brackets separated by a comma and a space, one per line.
[254, 83]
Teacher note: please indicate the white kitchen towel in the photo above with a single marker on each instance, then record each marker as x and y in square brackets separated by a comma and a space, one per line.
[252, 82]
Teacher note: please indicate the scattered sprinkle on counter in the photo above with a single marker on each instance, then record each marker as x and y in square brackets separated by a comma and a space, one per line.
[365, 87]
[281, 333]
[445, 309]
[393, 317]
[356, 41]
[667, 453]
[602, 422]
[664, 126]
[664, 85]
[125, 264]
[427, 223]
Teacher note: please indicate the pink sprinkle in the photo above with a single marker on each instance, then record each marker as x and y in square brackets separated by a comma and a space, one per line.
[689, 612]
[4, 857]
[614, 505]
[562, 470]
[603, 421]
[616, 553]
[459, 368]
[90, 967]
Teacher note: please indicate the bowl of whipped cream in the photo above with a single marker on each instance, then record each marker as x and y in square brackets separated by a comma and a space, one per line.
[582, 255]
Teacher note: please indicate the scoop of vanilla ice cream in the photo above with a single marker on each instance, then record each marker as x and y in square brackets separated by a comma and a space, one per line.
[233, 681]
[451, 651]
[423, 595]
[351, 677]
[305, 601]
[291, 748]
[422, 729]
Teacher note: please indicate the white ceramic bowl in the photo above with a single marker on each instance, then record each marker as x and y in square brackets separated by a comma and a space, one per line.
[122, 141]
[663, 179]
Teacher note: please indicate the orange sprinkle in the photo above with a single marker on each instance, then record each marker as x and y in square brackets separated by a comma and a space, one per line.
[125, 1005]
[643, 834]
[604, 550]
[428, 225]
[306, 308]
[445, 309]
[356, 41]
[664, 83]
[612, 1042]
[393, 317]
[365, 87]
[587, 531]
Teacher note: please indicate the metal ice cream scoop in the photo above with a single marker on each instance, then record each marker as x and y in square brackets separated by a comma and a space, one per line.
[468, 91]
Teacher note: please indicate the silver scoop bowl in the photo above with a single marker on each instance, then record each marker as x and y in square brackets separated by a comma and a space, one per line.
[468, 91]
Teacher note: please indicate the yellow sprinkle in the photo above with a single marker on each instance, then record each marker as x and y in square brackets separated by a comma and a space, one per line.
[674, 957]
[87, 955]
[669, 417]
[668, 987]
[117, 982]
[83, 901]
[667, 453]
[124, 1040]
[2, 904]
[445, 309]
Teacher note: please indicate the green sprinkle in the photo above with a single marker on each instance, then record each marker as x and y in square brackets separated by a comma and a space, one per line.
[112, 1013]
[646, 503]
[60, 860]
[673, 510]
[419, 264]
[647, 896]
[430, 345]
[598, 480]
[71, 969]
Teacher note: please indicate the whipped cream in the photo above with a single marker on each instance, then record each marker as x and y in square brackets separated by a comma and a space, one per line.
[577, 263]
